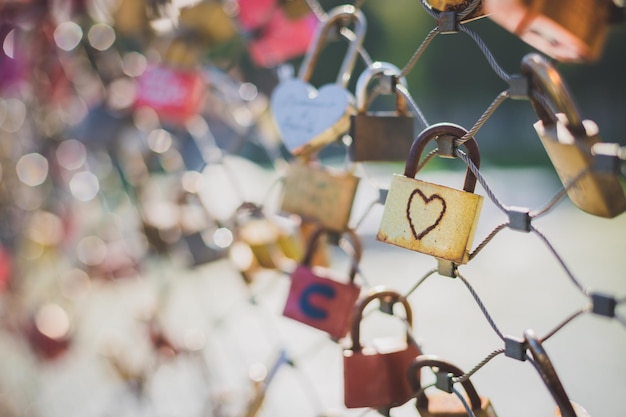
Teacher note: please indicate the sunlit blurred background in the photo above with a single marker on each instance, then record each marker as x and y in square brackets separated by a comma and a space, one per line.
[131, 132]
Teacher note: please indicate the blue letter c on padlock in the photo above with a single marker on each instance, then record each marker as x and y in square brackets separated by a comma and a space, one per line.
[310, 310]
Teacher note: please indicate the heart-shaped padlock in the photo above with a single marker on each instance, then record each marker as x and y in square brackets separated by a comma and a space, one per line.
[309, 118]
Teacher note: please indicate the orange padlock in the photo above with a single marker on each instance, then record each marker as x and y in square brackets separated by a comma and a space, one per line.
[566, 30]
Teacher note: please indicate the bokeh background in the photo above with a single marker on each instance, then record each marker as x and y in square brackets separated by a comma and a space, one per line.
[126, 288]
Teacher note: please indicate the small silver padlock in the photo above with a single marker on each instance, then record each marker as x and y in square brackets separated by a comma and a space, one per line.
[430, 218]
[381, 135]
[308, 118]
[568, 140]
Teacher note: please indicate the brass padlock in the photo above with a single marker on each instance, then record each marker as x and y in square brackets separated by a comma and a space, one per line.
[458, 6]
[315, 192]
[566, 30]
[295, 9]
[568, 140]
[260, 234]
[444, 403]
[307, 118]
[209, 21]
[380, 136]
[431, 218]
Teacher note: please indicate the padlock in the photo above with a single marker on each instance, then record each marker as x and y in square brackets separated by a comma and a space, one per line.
[307, 118]
[443, 403]
[319, 193]
[295, 9]
[209, 21]
[568, 140]
[282, 39]
[381, 135]
[375, 376]
[320, 297]
[548, 374]
[270, 244]
[458, 6]
[431, 218]
[174, 94]
[566, 30]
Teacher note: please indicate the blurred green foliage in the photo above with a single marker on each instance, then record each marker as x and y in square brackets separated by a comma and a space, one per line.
[453, 82]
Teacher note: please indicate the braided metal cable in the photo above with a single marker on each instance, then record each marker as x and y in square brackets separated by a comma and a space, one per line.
[419, 51]
[468, 10]
[409, 99]
[485, 50]
[468, 375]
[481, 305]
[488, 239]
[481, 179]
[429, 9]
[565, 322]
[467, 407]
[483, 118]
[420, 282]
[559, 259]
[560, 195]
[426, 159]
[317, 9]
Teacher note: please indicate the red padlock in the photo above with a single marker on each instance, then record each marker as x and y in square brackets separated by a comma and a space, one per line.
[317, 297]
[175, 95]
[375, 377]
[282, 38]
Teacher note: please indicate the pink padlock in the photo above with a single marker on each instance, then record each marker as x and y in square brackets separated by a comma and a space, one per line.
[175, 95]
[254, 14]
[282, 38]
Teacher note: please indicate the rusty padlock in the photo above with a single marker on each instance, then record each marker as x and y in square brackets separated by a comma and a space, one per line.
[307, 118]
[375, 376]
[566, 30]
[381, 135]
[430, 218]
[568, 140]
[320, 297]
[458, 6]
[319, 193]
[443, 403]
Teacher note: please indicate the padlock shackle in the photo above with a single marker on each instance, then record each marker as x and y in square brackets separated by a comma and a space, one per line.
[354, 241]
[339, 16]
[413, 373]
[546, 370]
[434, 131]
[382, 295]
[379, 68]
[544, 77]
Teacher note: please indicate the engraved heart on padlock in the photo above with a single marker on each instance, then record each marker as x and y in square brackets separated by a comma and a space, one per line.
[308, 118]
[421, 208]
